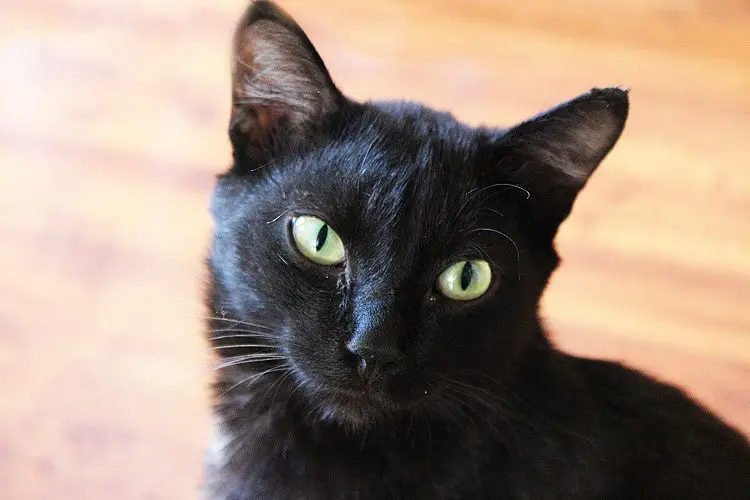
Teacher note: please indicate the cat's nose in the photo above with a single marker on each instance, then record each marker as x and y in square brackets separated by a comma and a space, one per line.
[373, 362]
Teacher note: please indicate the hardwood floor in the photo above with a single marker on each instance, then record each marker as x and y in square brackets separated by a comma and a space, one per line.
[112, 119]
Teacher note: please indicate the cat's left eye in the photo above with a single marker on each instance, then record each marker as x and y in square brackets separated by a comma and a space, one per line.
[465, 280]
[317, 241]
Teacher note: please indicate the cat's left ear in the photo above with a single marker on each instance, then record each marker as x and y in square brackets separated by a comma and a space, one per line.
[281, 89]
[555, 153]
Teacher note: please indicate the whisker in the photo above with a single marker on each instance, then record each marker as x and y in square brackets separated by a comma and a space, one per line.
[469, 411]
[467, 392]
[277, 217]
[253, 355]
[238, 346]
[497, 382]
[248, 361]
[503, 409]
[277, 385]
[487, 393]
[239, 322]
[242, 330]
[500, 184]
[496, 212]
[473, 193]
[297, 386]
[483, 252]
[240, 336]
[518, 253]
[251, 379]
[251, 358]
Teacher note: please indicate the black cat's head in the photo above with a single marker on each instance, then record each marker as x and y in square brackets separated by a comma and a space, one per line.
[372, 256]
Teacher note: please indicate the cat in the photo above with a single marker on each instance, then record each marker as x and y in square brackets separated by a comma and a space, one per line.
[375, 277]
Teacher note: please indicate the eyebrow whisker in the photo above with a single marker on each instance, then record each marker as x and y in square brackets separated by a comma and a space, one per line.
[518, 253]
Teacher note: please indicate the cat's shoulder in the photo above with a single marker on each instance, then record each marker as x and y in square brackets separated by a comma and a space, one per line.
[670, 442]
[636, 393]
[656, 411]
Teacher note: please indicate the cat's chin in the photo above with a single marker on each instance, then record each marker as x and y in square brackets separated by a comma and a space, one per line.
[357, 408]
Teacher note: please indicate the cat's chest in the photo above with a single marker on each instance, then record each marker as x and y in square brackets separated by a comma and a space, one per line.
[290, 461]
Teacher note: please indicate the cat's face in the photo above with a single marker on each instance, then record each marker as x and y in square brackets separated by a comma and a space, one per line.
[377, 256]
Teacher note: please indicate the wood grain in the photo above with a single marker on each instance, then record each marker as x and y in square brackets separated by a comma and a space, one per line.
[112, 119]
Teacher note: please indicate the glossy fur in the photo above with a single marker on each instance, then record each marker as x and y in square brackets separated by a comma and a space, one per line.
[474, 402]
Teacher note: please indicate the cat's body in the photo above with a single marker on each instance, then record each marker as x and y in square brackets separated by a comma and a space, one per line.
[360, 365]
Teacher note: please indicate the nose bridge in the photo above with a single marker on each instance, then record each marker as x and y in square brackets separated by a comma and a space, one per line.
[375, 322]
[375, 337]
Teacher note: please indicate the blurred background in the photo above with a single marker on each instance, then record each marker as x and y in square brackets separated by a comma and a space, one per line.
[112, 127]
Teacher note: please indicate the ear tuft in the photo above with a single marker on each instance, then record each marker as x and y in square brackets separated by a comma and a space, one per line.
[279, 81]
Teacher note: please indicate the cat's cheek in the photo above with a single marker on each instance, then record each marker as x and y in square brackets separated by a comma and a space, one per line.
[318, 359]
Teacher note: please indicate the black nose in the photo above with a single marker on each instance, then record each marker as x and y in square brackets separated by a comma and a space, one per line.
[372, 362]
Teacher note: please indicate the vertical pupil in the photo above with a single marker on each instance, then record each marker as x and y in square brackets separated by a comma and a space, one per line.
[467, 273]
[322, 236]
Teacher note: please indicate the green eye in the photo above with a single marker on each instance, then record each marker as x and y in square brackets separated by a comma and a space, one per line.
[465, 280]
[317, 241]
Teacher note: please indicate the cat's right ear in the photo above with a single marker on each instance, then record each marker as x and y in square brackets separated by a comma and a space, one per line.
[281, 90]
[557, 151]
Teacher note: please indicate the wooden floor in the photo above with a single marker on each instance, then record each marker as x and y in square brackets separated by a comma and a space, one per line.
[112, 118]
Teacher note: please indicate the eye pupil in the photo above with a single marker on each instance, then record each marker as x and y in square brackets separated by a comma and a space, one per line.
[467, 274]
[321, 238]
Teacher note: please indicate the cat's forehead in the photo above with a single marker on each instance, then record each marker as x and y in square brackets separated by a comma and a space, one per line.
[389, 165]
[402, 142]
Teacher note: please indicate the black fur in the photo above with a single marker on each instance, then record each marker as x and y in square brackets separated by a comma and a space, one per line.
[480, 404]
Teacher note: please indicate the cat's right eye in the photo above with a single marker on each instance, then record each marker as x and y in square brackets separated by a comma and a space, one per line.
[317, 241]
[465, 280]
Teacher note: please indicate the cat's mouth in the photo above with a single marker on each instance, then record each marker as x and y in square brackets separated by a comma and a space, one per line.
[339, 392]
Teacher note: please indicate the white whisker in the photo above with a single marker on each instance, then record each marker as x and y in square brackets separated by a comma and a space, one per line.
[241, 330]
[238, 346]
[249, 360]
[277, 217]
[239, 336]
[251, 379]
[518, 253]
[499, 184]
[239, 322]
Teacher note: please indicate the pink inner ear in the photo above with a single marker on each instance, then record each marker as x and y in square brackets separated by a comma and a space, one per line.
[573, 138]
[277, 80]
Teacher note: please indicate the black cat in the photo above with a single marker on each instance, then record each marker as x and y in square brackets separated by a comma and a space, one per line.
[376, 271]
